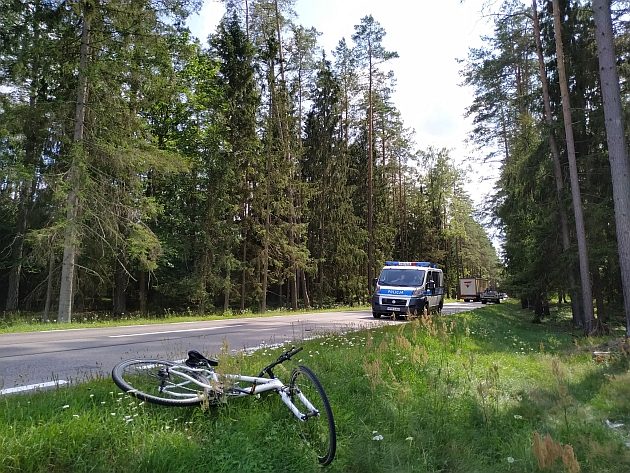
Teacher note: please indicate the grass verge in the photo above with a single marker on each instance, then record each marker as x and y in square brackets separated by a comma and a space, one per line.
[17, 322]
[484, 391]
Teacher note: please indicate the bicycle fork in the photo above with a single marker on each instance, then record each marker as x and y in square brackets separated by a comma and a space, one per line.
[286, 398]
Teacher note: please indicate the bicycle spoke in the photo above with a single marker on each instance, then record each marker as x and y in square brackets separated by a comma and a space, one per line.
[156, 381]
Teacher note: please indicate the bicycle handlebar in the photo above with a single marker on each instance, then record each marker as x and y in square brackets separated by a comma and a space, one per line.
[281, 359]
[289, 353]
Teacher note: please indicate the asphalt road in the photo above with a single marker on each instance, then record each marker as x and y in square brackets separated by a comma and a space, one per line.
[74, 355]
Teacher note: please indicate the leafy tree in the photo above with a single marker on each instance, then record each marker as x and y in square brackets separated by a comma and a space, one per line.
[334, 233]
[236, 54]
[370, 53]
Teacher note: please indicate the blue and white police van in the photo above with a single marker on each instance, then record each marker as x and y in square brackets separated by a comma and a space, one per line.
[408, 288]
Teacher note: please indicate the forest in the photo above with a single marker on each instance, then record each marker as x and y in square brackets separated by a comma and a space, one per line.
[143, 170]
[551, 95]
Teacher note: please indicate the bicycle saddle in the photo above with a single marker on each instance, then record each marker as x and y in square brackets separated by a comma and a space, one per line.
[196, 359]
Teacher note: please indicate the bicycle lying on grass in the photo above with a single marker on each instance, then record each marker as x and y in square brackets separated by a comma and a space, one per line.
[195, 382]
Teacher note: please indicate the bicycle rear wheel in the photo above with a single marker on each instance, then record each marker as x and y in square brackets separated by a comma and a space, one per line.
[154, 381]
[318, 427]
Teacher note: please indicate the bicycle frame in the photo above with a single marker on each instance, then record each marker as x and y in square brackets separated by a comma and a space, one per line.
[194, 381]
[258, 385]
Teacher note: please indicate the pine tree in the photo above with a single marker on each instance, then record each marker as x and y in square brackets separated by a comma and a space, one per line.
[370, 53]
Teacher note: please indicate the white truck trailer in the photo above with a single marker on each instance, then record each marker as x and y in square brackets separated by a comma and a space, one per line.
[470, 289]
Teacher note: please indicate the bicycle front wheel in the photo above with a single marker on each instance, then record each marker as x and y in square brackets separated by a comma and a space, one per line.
[155, 381]
[318, 426]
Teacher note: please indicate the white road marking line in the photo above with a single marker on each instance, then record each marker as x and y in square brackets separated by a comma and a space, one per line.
[171, 331]
[113, 326]
[30, 387]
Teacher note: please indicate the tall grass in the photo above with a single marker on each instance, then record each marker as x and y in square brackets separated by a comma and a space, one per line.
[485, 391]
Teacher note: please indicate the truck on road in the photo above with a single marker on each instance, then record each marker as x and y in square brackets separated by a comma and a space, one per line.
[490, 295]
[470, 289]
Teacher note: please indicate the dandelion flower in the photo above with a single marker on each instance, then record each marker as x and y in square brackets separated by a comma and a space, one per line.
[66, 406]
[510, 460]
[518, 417]
[378, 437]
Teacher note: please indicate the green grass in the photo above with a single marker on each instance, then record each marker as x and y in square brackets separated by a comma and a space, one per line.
[466, 393]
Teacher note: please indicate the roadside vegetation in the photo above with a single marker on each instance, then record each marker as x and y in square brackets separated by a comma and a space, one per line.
[483, 391]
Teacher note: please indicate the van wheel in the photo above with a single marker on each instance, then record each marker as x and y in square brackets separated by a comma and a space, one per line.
[376, 315]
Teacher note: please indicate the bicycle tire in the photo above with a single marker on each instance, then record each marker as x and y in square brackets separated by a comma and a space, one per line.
[317, 431]
[142, 379]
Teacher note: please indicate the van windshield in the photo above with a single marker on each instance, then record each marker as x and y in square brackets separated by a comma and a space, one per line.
[401, 277]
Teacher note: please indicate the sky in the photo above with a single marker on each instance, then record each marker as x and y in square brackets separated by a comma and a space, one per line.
[429, 36]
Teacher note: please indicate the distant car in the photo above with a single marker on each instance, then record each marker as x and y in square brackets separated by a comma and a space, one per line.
[503, 295]
[490, 295]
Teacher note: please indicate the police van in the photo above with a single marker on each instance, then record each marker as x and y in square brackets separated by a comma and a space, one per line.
[408, 288]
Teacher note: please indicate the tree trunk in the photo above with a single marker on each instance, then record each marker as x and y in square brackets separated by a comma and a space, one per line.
[142, 291]
[49, 285]
[26, 188]
[580, 230]
[119, 299]
[285, 138]
[305, 296]
[265, 252]
[226, 291]
[17, 251]
[617, 152]
[370, 179]
[599, 303]
[244, 270]
[557, 166]
[71, 234]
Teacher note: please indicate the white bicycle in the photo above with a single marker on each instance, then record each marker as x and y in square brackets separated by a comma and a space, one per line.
[195, 382]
